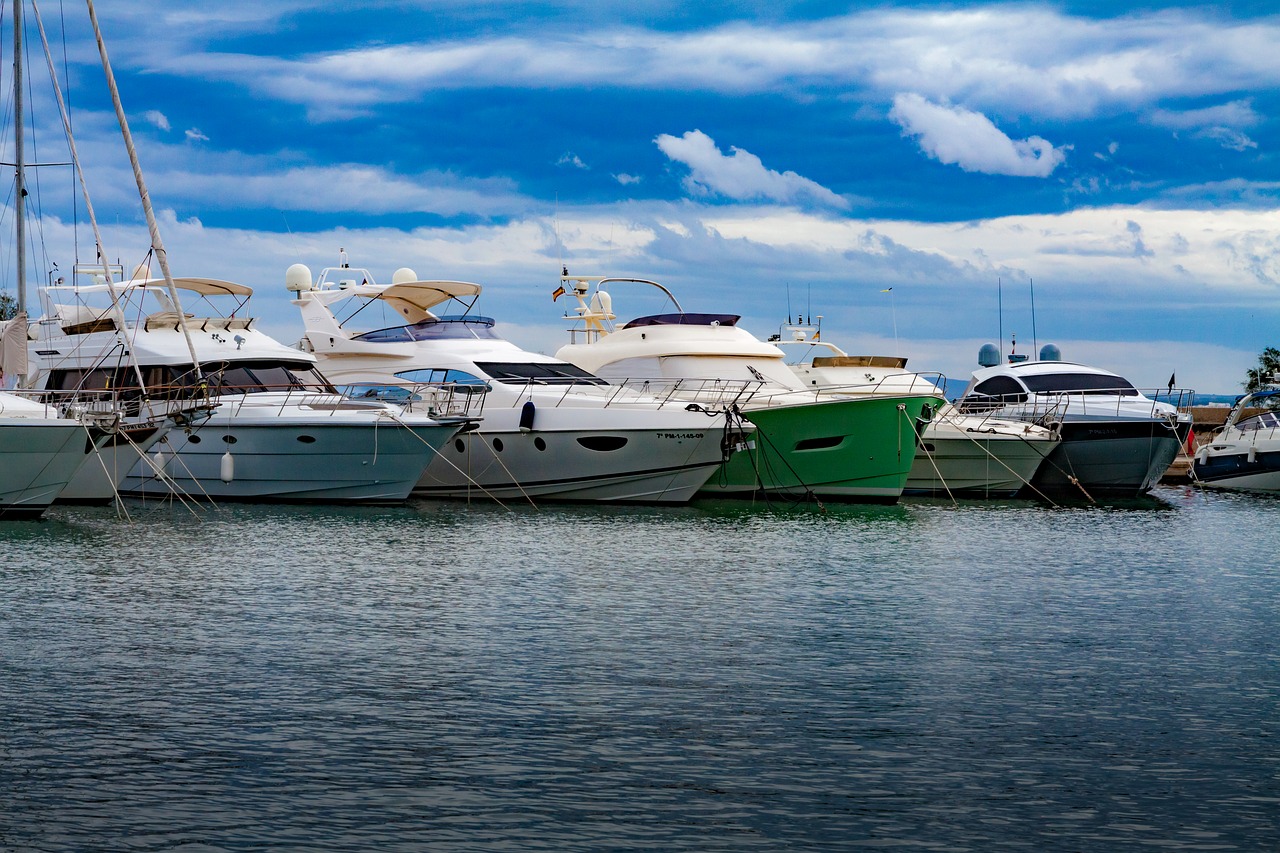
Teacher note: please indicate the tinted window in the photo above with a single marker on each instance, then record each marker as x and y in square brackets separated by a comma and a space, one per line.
[1080, 383]
[522, 372]
[1003, 387]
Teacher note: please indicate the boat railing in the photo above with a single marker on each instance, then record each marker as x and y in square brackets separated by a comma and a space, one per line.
[711, 393]
[105, 408]
[905, 382]
[1044, 407]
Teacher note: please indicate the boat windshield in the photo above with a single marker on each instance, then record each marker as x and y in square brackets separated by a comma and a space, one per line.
[441, 328]
[1266, 420]
[685, 320]
[1079, 383]
[525, 372]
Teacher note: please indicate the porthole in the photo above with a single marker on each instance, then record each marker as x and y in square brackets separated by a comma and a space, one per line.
[459, 446]
[603, 443]
[229, 439]
[819, 443]
[194, 439]
[927, 447]
[497, 445]
[307, 439]
[539, 443]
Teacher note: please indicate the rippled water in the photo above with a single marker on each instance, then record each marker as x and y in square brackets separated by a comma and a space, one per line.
[723, 676]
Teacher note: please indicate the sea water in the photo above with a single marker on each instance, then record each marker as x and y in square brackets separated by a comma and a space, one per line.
[722, 676]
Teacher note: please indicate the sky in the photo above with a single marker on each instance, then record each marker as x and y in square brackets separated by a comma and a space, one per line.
[926, 177]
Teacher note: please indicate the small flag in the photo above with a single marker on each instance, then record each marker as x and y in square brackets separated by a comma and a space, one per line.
[887, 290]
[559, 292]
[817, 335]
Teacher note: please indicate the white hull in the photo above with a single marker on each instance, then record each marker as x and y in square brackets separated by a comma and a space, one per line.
[989, 466]
[98, 479]
[290, 459]
[37, 460]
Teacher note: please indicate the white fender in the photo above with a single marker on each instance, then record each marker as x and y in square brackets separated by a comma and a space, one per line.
[228, 471]
[1252, 455]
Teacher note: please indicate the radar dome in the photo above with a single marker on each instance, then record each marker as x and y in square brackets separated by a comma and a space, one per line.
[988, 355]
[297, 278]
[1050, 352]
[404, 275]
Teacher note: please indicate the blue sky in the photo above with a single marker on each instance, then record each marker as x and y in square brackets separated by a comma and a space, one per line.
[754, 157]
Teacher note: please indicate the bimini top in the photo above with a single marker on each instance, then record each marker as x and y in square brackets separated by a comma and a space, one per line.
[202, 286]
[685, 320]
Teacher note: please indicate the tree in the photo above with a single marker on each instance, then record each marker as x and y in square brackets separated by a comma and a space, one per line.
[8, 306]
[1266, 374]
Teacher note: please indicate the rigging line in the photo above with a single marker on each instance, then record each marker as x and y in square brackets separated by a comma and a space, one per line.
[84, 187]
[66, 75]
[449, 462]
[152, 226]
[507, 471]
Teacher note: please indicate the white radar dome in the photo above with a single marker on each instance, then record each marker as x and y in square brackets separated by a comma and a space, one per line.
[297, 278]
[404, 275]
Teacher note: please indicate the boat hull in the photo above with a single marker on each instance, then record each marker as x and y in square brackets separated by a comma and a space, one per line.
[987, 466]
[855, 449]
[98, 479]
[37, 460]
[290, 460]
[1233, 470]
[1113, 458]
[666, 465]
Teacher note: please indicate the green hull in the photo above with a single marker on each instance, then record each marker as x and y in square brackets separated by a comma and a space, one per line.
[851, 449]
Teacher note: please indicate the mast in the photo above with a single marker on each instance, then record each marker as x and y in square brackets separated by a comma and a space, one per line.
[20, 183]
[156, 243]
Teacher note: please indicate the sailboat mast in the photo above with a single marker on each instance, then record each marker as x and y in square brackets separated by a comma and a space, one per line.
[20, 185]
[156, 243]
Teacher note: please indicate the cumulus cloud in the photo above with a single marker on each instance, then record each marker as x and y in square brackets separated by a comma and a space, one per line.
[158, 119]
[740, 175]
[957, 136]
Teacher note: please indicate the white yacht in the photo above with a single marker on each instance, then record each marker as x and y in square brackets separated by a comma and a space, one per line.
[278, 430]
[1245, 454]
[40, 451]
[856, 446]
[962, 455]
[1116, 441]
[550, 430]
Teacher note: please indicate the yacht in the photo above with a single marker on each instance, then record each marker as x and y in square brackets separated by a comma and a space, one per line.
[1245, 454]
[962, 455]
[551, 430]
[276, 429]
[41, 449]
[1116, 441]
[855, 446]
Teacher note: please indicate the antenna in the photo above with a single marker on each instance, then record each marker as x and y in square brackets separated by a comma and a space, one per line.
[1000, 312]
[1035, 346]
[788, 303]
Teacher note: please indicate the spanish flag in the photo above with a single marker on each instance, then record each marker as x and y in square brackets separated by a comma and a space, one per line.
[559, 292]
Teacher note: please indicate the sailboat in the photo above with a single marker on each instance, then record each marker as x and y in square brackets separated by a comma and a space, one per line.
[272, 430]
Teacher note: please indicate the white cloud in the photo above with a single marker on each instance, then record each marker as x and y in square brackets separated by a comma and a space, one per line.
[627, 180]
[1236, 114]
[194, 135]
[954, 135]
[157, 118]
[740, 175]
[571, 159]
[1228, 137]
[1003, 60]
